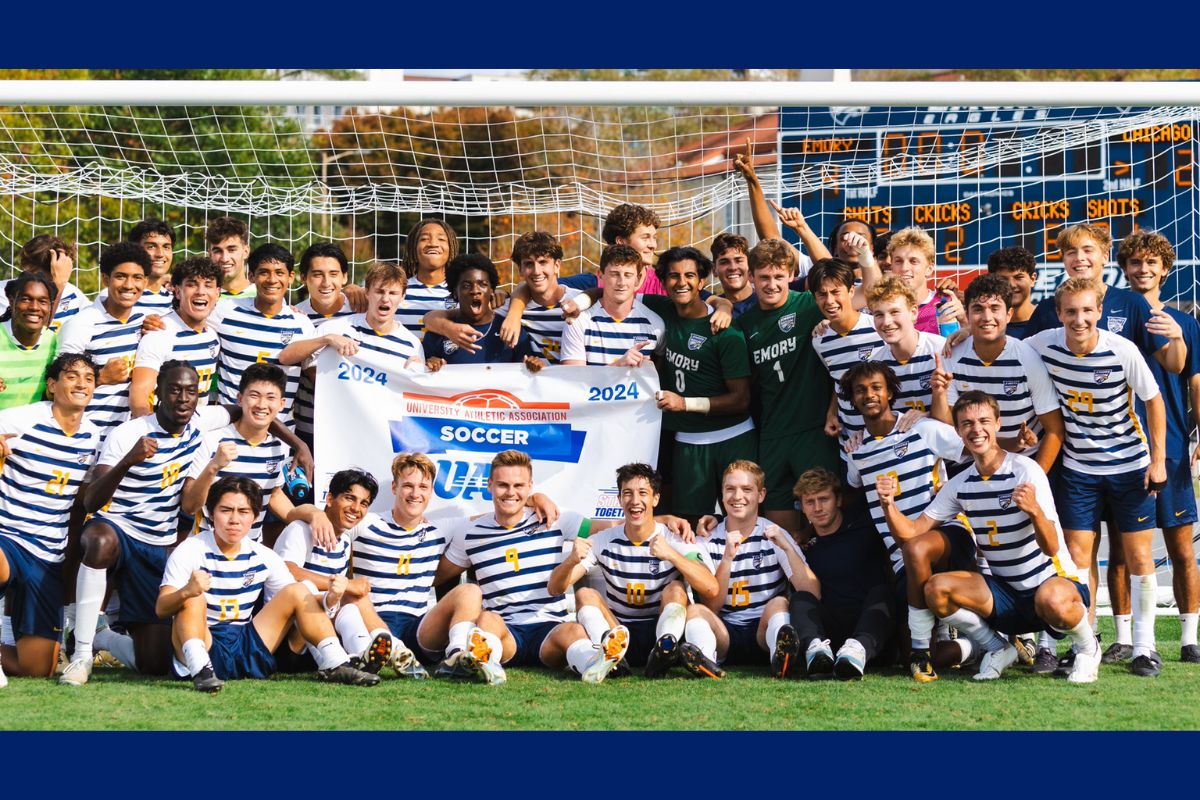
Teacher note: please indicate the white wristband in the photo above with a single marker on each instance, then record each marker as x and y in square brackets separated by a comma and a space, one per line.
[582, 301]
[331, 612]
[700, 405]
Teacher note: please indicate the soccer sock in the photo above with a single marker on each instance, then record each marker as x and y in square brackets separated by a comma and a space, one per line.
[593, 621]
[672, 620]
[457, 636]
[330, 653]
[496, 646]
[195, 655]
[1187, 626]
[1145, 590]
[920, 627]
[1047, 642]
[6, 631]
[776, 622]
[579, 653]
[966, 647]
[700, 633]
[119, 644]
[352, 630]
[1124, 625]
[1083, 638]
[941, 633]
[974, 628]
[89, 594]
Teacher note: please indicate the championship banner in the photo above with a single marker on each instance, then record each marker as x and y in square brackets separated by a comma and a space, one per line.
[578, 424]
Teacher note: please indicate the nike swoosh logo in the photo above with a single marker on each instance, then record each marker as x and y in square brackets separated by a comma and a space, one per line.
[1180, 513]
[1142, 519]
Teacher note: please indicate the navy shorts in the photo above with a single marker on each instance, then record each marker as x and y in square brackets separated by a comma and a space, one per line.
[1176, 504]
[963, 557]
[404, 627]
[1081, 497]
[1013, 610]
[529, 640]
[743, 645]
[641, 640]
[137, 576]
[34, 592]
[238, 652]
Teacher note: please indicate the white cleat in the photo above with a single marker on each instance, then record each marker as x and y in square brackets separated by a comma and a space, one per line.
[77, 672]
[1086, 668]
[994, 662]
[479, 656]
[405, 663]
[612, 649]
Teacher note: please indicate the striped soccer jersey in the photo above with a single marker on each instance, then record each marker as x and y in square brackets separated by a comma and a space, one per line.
[419, 299]
[513, 564]
[304, 392]
[398, 345]
[102, 337]
[237, 581]
[261, 463]
[1004, 533]
[545, 324]
[397, 562]
[1095, 390]
[1017, 379]
[914, 373]
[841, 351]
[598, 339]
[179, 342]
[41, 477]
[248, 336]
[914, 459]
[295, 546]
[760, 571]
[633, 579]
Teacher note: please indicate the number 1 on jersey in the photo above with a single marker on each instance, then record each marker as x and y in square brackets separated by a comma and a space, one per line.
[779, 371]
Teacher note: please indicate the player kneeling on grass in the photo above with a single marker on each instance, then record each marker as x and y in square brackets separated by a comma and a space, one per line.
[211, 586]
[756, 560]
[643, 566]
[1033, 583]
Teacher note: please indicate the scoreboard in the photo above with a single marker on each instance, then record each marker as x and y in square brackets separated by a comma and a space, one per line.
[983, 178]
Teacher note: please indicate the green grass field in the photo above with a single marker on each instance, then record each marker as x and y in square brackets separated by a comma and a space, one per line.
[539, 700]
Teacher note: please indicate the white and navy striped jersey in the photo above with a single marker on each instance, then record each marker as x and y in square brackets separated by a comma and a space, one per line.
[304, 393]
[1004, 533]
[914, 459]
[261, 463]
[1095, 390]
[418, 299]
[145, 504]
[398, 563]
[396, 347]
[180, 343]
[248, 336]
[633, 579]
[598, 339]
[841, 351]
[41, 477]
[1017, 379]
[914, 373]
[237, 581]
[545, 324]
[513, 564]
[103, 337]
[295, 546]
[151, 302]
[760, 571]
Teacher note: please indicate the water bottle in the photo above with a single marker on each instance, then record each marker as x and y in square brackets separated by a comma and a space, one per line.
[296, 485]
[946, 329]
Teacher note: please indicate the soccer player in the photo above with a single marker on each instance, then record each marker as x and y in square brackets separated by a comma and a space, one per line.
[46, 450]
[636, 227]
[643, 567]
[228, 246]
[514, 554]
[157, 238]
[1105, 455]
[1018, 267]
[428, 248]
[1007, 369]
[27, 345]
[186, 335]
[108, 332]
[912, 354]
[782, 359]
[910, 256]
[1033, 582]
[851, 609]
[325, 272]
[55, 259]
[731, 264]
[210, 592]
[620, 328]
[1146, 259]
[755, 561]
[256, 329]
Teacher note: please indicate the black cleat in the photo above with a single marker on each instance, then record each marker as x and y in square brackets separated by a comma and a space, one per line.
[1065, 663]
[1045, 662]
[663, 656]
[347, 674]
[1117, 653]
[700, 665]
[1189, 654]
[376, 656]
[207, 681]
[1147, 666]
[787, 653]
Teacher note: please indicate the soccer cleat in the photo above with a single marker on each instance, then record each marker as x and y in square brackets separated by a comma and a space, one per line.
[700, 665]
[920, 665]
[207, 681]
[457, 665]
[818, 659]
[610, 653]
[1085, 667]
[103, 658]
[994, 662]
[378, 653]
[77, 672]
[348, 675]
[404, 662]
[787, 650]
[1065, 663]
[1117, 653]
[1189, 654]
[478, 656]
[622, 669]
[1045, 662]
[851, 661]
[663, 656]
[1147, 666]
[1026, 649]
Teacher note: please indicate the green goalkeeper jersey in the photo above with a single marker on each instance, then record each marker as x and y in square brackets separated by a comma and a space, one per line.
[23, 369]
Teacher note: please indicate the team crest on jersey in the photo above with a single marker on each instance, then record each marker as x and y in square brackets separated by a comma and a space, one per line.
[1010, 387]
[787, 322]
[1116, 324]
[451, 303]
[696, 341]
[448, 346]
[864, 353]
[900, 449]
[214, 350]
[758, 559]
[1005, 500]
[654, 567]
[926, 382]
[1101, 375]
[272, 466]
[286, 336]
[249, 579]
[421, 534]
